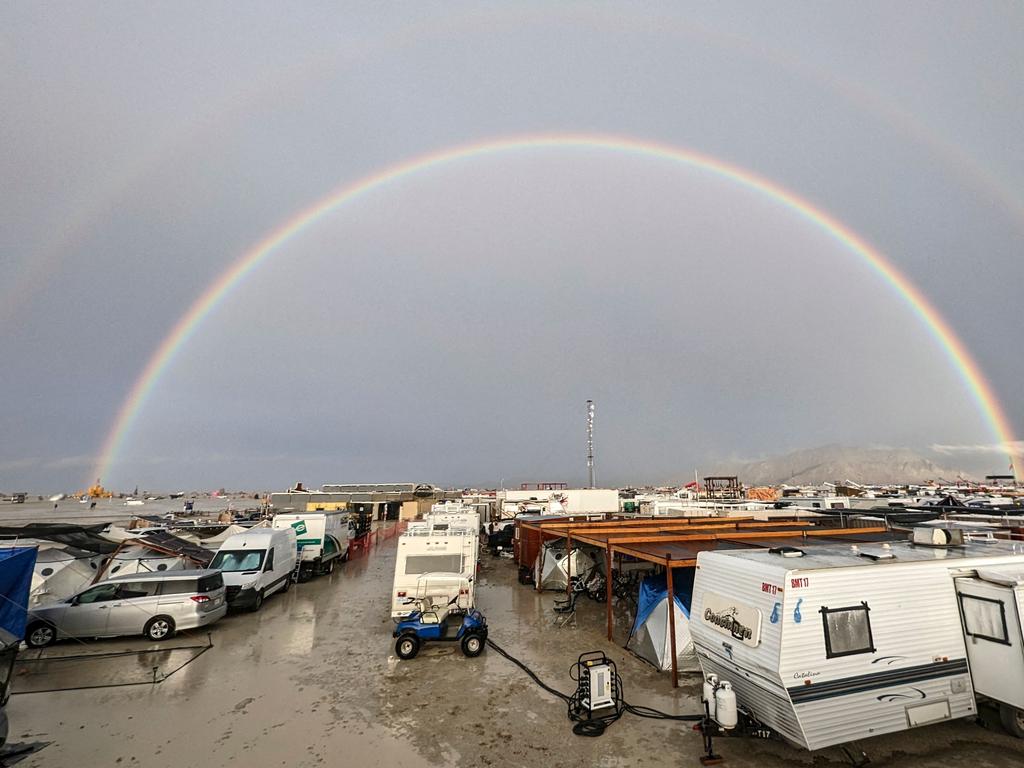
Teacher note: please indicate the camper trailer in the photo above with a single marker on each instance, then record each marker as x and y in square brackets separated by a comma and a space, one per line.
[832, 643]
[427, 557]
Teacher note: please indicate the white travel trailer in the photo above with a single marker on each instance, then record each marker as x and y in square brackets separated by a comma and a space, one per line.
[426, 558]
[834, 643]
[323, 539]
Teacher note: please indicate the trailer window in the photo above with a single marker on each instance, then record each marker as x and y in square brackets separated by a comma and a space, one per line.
[847, 631]
[984, 618]
[416, 564]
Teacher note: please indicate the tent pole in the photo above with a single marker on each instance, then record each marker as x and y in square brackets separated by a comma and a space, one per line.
[608, 586]
[672, 620]
[568, 562]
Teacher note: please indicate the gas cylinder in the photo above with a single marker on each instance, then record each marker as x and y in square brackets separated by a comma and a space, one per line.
[726, 714]
[708, 693]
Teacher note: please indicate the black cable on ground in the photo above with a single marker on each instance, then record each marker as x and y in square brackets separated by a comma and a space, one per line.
[594, 727]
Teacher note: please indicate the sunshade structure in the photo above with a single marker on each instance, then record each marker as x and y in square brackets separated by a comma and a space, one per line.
[84, 537]
[675, 543]
[16, 566]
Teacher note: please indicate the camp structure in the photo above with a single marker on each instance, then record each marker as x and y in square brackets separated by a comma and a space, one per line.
[651, 636]
[672, 544]
[555, 564]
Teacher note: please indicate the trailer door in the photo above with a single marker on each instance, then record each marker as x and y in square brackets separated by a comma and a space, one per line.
[991, 617]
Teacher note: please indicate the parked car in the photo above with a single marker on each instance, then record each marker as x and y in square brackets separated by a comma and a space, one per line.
[154, 605]
[256, 564]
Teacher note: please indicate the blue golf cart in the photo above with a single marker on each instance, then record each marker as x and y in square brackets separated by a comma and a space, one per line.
[447, 624]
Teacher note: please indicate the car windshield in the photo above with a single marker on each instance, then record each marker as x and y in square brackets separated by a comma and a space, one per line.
[238, 560]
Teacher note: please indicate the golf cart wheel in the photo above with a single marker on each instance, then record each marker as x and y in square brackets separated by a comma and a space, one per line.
[473, 645]
[40, 634]
[1013, 720]
[159, 628]
[257, 602]
[407, 647]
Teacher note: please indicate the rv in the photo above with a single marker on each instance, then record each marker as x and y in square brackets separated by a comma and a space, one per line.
[428, 558]
[323, 538]
[256, 564]
[832, 643]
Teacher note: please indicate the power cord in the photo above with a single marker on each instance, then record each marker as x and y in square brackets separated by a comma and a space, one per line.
[585, 725]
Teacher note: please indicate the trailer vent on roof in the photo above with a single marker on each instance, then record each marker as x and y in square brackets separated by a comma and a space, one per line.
[787, 551]
[938, 537]
[878, 553]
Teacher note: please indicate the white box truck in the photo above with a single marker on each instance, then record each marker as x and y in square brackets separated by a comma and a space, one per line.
[256, 564]
[322, 537]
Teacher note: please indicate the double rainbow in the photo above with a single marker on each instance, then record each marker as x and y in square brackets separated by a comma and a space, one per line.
[957, 354]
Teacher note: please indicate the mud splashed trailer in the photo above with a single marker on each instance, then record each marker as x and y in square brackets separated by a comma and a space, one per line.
[829, 644]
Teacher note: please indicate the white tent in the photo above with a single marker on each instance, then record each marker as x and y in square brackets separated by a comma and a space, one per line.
[551, 571]
[61, 571]
[138, 559]
[651, 638]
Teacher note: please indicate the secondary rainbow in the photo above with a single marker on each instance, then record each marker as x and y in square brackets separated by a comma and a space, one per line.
[958, 355]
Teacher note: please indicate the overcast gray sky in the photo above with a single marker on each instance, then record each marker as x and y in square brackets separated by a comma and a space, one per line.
[449, 327]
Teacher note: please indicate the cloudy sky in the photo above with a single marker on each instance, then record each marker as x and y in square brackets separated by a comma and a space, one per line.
[449, 326]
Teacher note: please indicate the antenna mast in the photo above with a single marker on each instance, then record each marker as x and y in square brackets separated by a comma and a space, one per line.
[590, 442]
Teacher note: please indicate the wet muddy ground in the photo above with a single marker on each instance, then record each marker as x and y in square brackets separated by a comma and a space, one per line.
[312, 680]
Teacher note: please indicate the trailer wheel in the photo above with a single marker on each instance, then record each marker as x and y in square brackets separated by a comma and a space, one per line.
[473, 645]
[1013, 720]
[407, 647]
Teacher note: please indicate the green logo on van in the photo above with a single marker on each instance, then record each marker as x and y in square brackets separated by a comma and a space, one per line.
[300, 527]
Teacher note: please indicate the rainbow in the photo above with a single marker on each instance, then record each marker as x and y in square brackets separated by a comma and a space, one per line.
[957, 354]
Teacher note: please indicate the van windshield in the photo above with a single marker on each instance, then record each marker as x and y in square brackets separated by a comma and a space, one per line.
[238, 560]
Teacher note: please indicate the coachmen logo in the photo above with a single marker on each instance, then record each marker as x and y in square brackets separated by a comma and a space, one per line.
[738, 621]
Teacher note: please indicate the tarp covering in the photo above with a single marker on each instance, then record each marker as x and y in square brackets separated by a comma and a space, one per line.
[168, 543]
[651, 638]
[16, 568]
[85, 537]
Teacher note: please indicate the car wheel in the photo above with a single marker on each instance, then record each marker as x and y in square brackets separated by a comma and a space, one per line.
[257, 603]
[1013, 720]
[159, 628]
[407, 647]
[40, 634]
[473, 644]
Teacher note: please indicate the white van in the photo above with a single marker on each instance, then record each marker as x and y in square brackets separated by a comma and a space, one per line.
[322, 537]
[256, 564]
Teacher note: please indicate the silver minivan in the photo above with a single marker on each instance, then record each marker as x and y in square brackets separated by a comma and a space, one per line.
[154, 605]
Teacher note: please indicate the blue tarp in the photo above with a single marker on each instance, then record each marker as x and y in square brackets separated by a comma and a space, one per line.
[654, 589]
[16, 567]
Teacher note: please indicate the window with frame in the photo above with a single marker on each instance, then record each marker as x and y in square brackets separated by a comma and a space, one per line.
[847, 630]
[417, 564]
[984, 618]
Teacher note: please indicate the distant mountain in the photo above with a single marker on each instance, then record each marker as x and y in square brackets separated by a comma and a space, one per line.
[838, 463]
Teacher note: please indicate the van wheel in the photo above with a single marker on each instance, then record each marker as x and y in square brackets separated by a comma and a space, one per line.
[287, 585]
[1013, 720]
[159, 628]
[40, 634]
[257, 603]
[473, 645]
[329, 569]
[407, 647]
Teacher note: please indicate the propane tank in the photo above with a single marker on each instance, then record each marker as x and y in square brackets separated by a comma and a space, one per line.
[725, 706]
[708, 693]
